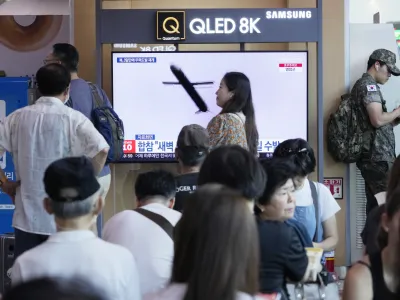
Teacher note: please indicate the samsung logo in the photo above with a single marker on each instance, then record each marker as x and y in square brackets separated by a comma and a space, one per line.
[297, 14]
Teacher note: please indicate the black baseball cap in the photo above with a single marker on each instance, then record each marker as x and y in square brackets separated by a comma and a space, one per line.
[70, 179]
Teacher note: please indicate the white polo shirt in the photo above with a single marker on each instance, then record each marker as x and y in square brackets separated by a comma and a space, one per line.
[36, 136]
[151, 246]
[81, 254]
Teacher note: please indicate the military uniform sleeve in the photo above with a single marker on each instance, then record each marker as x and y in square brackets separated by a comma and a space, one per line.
[369, 93]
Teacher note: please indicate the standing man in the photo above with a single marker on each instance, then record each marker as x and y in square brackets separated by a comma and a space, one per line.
[379, 156]
[36, 136]
[81, 98]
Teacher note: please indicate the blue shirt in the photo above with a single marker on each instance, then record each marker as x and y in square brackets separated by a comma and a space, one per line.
[301, 231]
[82, 101]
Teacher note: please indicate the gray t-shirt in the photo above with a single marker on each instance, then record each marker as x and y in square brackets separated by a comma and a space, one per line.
[82, 100]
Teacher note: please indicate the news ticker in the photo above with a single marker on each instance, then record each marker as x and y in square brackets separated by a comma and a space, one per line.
[149, 145]
[167, 157]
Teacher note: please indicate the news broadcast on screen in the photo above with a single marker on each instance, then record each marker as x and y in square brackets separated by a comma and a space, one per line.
[154, 106]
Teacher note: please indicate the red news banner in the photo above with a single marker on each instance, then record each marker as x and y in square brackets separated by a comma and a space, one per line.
[129, 146]
[291, 67]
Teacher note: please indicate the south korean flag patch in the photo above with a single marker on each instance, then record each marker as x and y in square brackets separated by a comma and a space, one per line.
[371, 88]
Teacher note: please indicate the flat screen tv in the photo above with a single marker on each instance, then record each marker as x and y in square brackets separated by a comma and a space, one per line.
[154, 106]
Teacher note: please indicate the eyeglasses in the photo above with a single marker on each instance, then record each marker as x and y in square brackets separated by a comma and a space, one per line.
[50, 61]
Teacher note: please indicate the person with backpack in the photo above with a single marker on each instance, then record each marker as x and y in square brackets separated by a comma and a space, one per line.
[93, 102]
[361, 130]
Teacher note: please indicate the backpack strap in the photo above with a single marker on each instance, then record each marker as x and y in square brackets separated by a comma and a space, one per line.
[314, 195]
[69, 102]
[159, 220]
[95, 93]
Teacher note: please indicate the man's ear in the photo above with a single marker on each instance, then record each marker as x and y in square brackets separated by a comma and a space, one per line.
[67, 90]
[98, 206]
[385, 222]
[171, 203]
[47, 206]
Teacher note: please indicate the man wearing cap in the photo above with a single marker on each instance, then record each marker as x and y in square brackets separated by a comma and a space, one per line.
[375, 165]
[192, 148]
[74, 199]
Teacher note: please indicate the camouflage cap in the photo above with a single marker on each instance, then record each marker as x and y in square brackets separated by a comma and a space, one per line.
[389, 58]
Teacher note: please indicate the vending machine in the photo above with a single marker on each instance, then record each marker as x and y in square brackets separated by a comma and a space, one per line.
[15, 93]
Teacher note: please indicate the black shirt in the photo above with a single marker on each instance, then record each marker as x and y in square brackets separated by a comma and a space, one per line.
[379, 287]
[369, 235]
[282, 256]
[185, 184]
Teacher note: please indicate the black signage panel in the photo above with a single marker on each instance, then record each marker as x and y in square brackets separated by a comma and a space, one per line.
[196, 26]
[171, 25]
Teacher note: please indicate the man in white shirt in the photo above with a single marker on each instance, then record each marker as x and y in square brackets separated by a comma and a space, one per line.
[147, 232]
[36, 136]
[74, 198]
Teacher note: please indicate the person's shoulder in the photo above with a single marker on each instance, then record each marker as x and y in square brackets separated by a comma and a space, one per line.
[33, 256]
[120, 217]
[359, 272]
[175, 214]
[187, 178]
[276, 228]
[366, 84]
[120, 252]
[364, 80]
[77, 116]
[218, 118]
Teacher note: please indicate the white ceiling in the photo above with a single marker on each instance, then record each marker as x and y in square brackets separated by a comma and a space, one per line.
[35, 7]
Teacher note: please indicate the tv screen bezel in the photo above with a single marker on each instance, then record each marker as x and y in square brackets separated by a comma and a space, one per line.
[174, 160]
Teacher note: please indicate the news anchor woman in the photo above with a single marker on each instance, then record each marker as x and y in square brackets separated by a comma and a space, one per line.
[235, 124]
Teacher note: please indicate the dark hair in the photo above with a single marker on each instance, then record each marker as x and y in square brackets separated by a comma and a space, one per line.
[242, 101]
[53, 80]
[394, 177]
[236, 168]
[300, 152]
[68, 55]
[189, 155]
[392, 204]
[155, 183]
[54, 289]
[278, 171]
[371, 63]
[216, 246]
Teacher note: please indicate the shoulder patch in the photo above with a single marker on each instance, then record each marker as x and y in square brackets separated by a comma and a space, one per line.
[372, 88]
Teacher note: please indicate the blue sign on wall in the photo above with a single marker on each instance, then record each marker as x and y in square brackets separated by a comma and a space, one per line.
[13, 95]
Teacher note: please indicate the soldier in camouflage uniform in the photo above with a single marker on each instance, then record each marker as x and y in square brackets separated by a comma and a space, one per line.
[376, 162]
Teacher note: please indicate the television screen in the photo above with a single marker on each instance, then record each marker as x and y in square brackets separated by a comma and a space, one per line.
[154, 106]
